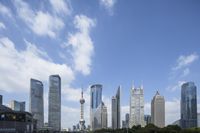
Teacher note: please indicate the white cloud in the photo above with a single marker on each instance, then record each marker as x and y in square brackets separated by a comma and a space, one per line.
[183, 60]
[2, 26]
[45, 24]
[172, 111]
[82, 45]
[5, 11]
[61, 6]
[176, 86]
[108, 4]
[19, 66]
[41, 23]
[186, 72]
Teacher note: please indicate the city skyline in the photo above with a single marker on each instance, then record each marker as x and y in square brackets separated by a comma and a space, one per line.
[99, 42]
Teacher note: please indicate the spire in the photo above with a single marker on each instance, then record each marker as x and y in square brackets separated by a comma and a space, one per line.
[157, 93]
[142, 87]
[81, 92]
[132, 85]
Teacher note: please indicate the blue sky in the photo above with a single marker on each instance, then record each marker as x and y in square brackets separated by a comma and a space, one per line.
[112, 42]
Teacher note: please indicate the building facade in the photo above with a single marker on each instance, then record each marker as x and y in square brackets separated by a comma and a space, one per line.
[116, 110]
[36, 106]
[158, 110]
[17, 106]
[188, 105]
[137, 107]
[55, 102]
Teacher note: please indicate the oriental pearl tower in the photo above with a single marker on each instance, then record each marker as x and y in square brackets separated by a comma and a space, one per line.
[82, 121]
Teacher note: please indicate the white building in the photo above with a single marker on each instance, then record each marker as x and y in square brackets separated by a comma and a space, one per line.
[158, 110]
[137, 107]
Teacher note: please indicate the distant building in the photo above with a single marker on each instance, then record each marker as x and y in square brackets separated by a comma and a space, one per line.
[1, 99]
[127, 119]
[123, 124]
[147, 119]
[137, 107]
[55, 102]
[177, 122]
[188, 105]
[158, 110]
[198, 119]
[116, 110]
[17, 106]
[104, 116]
[36, 105]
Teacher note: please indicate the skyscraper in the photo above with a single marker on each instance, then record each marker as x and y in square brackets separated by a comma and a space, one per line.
[55, 102]
[127, 119]
[116, 110]
[82, 121]
[1, 99]
[158, 110]
[17, 106]
[198, 119]
[137, 107]
[36, 106]
[147, 119]
[95, 106]
[188, 105]
[104, 116]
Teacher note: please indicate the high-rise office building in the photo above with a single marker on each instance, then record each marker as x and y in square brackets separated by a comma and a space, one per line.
[116, 110]
[1, 99]
[55, 102]
[17, 106]
[104, 116]
[137, 107]
[188, 105]
[97, 108]
[36, 106]
[158, 110]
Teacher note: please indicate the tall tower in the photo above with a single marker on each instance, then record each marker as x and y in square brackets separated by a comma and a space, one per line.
[36, 105]
[188, 105]
[116, 110]
[137, 107]
[55, 102]
[96, 106]
[158, 110]
[82, 121]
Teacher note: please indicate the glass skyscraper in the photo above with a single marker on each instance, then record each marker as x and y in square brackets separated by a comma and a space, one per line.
[36, 106]
[1, 99]
[188, 105]
[95, 106]
[116, 110]
[55, 102]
